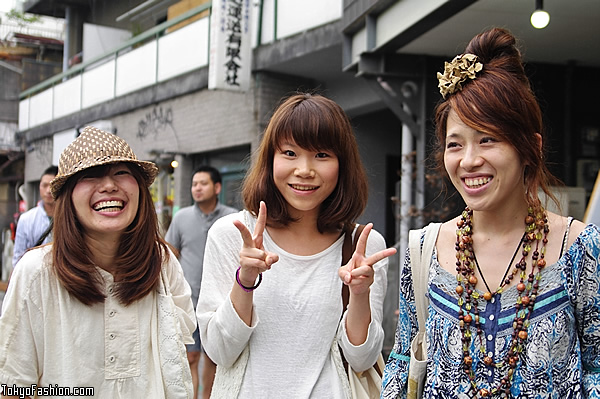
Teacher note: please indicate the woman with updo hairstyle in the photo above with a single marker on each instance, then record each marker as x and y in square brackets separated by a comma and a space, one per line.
[513, 289]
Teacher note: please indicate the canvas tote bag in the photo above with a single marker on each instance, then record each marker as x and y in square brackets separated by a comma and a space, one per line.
[417, 370]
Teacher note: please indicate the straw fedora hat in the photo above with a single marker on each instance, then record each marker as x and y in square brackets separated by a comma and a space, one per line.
[96, 147]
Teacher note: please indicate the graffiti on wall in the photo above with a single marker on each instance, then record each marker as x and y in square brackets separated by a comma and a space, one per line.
[158, 121]
[43, 151]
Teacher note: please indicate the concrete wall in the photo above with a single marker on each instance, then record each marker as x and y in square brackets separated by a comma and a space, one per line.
[200, 122]
[10, 82]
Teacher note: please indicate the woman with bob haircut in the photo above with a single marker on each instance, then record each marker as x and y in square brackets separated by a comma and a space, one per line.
[279, 335]
[83, 310]
[513, 289]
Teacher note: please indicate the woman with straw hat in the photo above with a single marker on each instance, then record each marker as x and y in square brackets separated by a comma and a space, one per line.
[90, 309]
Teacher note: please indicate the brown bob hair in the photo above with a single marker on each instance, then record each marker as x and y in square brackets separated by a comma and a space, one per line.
[500, 102]
[315, 123]
[140, 254]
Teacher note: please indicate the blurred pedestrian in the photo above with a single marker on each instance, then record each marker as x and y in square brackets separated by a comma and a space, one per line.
[187, 233]
[33, 225]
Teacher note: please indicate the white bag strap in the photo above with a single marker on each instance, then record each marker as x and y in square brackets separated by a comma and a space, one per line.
[419, 263]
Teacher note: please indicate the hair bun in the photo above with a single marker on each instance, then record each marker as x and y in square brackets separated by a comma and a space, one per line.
[497, 50]
[492, 44]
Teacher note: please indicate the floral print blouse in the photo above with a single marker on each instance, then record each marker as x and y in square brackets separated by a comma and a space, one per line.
[562, 357]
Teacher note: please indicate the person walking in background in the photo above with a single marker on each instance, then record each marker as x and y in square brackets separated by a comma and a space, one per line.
[34, 224]
[187, 233]
[89, 310]
[270, 306]
[514, 290]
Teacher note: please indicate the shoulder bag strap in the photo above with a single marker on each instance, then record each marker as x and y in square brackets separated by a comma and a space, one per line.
[420, 267]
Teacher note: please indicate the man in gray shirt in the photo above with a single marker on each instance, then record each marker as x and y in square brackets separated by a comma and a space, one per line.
[187, 233]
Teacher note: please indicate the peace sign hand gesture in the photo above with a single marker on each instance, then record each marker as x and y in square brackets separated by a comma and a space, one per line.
[253, 257]
[358, 273]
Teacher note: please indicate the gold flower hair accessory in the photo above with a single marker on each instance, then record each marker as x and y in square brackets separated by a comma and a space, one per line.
[456, 72]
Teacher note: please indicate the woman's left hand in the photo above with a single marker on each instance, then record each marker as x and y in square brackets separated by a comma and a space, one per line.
[358, 273]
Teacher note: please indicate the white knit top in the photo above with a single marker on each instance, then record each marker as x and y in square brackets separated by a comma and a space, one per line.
[297, 310]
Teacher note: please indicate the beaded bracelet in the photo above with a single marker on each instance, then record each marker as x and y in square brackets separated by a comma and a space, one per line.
[247, 289]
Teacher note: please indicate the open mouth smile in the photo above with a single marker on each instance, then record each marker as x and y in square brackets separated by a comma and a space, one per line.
[108, 206]
[477, 182]
[303, 188]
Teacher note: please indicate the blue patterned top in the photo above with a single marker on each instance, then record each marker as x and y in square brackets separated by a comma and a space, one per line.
[562, 357]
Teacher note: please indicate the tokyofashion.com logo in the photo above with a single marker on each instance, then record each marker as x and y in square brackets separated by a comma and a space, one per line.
[50, 390]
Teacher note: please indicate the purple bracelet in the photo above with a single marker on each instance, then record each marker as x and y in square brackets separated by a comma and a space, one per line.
[247, 289]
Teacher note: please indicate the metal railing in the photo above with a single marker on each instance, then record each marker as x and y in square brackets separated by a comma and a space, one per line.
[8, 27]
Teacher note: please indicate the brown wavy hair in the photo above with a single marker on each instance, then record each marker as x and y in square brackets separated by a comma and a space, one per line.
[139, 257]
[314, 123]
[500, 102]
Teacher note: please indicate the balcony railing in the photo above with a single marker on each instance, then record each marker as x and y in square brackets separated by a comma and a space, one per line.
[49, 28]
[158, 55]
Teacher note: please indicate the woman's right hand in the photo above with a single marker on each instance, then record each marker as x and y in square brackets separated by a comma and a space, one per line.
[253, 257]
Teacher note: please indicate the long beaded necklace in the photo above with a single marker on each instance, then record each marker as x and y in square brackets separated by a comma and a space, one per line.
[536, 230]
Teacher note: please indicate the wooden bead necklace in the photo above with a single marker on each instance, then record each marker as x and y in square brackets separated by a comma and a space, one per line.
[536, 230]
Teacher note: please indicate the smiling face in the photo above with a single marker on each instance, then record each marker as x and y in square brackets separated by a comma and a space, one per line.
[486, 171]
[305, 178]
[106, 199]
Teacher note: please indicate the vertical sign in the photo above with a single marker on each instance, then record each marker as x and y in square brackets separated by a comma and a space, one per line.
[230, 60]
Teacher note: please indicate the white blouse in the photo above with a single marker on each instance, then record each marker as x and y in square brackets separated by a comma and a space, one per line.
[51, 339]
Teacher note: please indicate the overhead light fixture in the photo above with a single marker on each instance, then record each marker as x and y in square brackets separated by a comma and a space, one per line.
[540, 18]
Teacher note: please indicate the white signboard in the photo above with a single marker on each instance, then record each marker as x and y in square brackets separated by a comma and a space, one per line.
[230, 60]
[60, 141]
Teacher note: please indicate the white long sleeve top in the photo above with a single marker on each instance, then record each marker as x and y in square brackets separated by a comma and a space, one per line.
[296, 314]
